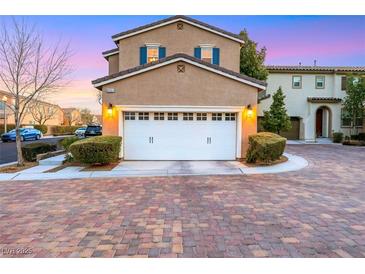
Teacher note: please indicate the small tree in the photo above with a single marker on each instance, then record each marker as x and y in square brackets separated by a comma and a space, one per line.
[42, 112]
[276, 119]
[354, 101]
[86, 116]
[252, 59]
[29, 69]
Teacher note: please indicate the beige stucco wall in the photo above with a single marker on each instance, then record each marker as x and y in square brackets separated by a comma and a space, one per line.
[178, 41]
[194, 87]
[113, 61]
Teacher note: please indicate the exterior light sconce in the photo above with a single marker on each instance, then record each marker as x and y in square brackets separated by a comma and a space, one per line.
[110, 109]
[249, 111]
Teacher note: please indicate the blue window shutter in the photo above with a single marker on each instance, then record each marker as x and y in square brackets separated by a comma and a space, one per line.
[161, 52]
[142, 55]
[198, 53]
[216, 56]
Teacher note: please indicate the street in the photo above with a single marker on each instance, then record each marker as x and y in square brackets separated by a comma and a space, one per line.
[8, 150]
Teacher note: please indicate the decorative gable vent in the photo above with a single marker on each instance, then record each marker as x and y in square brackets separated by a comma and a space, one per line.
[110, 90]
[181, 68]
[180, 25]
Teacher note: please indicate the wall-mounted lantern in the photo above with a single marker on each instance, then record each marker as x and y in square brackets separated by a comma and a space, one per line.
[249, 111]
[110, 109]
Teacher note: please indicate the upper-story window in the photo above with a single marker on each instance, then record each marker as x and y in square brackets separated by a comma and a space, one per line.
[297, 81]
[152, 54]
[207, 53]
[320, 82]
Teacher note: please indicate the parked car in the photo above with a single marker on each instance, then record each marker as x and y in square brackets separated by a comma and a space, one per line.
[25, 134]
[93, 130]
[80, 132]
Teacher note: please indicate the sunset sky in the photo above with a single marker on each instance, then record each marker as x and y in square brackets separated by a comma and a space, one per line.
[331, 40]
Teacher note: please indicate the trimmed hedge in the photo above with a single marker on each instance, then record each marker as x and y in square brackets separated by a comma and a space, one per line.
[63, 130]
[30, 151]
[337, 137]
[360, 136]
[265, 147]
[97, 150]
[68, 141]
[8, 127]
[42, 128]
[353, 143]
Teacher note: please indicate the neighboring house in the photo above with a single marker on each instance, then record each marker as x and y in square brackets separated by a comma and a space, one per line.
[97, 119]
[174, 92]
[37, 112]
[314, 96]
[71, 117]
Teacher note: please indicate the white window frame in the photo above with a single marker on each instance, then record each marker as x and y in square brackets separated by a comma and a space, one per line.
[217, 116]
[129, 116]
[153, 47]
[143, 116]
[300, 82]
[202, 116]
[159, 116]
[188, 116]
[230, 116]
[172, 116]
[206, 47]
[316, 81]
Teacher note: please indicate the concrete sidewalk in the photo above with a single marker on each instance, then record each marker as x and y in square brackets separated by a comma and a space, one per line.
[154, 168]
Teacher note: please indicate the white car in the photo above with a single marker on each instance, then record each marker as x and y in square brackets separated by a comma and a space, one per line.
[80, 132]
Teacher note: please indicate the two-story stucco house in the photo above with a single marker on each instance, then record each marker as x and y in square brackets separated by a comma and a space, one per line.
[314, 96]
[174, 92]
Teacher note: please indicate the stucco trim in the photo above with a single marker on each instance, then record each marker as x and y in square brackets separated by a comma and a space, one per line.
[178, 59]
[177, 108]
[168, 22]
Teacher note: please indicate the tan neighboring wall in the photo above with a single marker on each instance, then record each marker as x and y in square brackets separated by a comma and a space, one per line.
[72, 117]
[178, 41]
[113, 61]
[194, 87]
[28, 118]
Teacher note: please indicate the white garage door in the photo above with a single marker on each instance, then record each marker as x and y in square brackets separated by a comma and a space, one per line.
[179, 136]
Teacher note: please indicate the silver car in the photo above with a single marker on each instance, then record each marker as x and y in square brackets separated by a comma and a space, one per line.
[80, 132]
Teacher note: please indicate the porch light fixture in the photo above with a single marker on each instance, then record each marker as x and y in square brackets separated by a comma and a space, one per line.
[249, 111]
[110, 109]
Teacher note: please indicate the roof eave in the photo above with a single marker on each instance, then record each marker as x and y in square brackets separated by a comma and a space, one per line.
[117, 37]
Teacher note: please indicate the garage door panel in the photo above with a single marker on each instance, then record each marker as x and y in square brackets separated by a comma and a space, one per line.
[179, 140]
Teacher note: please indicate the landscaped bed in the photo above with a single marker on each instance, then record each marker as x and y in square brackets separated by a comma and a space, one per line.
[86, 167]
[14, 168]
[282, 159]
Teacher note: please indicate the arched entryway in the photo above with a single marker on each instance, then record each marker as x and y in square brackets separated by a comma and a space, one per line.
[323, 122]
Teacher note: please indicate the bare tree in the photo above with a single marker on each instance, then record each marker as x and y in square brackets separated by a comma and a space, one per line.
[42, 112]
[29, 69]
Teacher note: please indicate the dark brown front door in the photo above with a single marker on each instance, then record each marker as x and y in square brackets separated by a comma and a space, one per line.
[319, 118]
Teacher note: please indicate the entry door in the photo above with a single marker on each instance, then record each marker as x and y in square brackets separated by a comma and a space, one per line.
[319, 120]
[179, 136]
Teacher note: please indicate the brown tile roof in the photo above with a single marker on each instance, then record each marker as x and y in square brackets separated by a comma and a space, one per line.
[315, 68]
[324, 100]
[172, 18]
[176, 56]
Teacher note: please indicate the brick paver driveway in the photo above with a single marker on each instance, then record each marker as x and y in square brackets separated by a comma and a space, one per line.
[316, 212]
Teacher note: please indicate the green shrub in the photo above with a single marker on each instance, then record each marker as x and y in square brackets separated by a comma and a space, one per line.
[8, 127]
[63, 130]
[353, 143]
[66, 142]
[30, 151]
[337, 137]
[361, 136]
[265, 147]
[42, 128]
[354, 137]
[97, 150]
